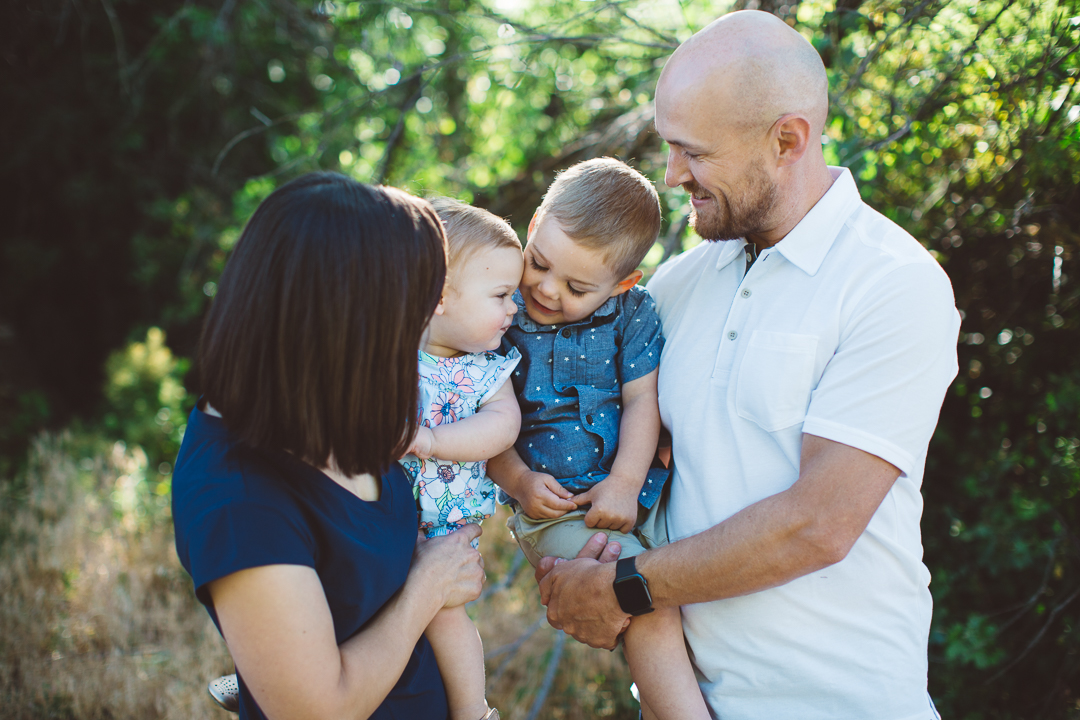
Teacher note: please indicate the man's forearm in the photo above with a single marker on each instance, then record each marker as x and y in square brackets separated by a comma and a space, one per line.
[811, 525]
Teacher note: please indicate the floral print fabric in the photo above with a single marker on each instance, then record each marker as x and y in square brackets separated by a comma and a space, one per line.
[450, 493]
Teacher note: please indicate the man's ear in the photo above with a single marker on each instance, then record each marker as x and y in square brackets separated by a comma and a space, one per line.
[791, 139]
[627, 282]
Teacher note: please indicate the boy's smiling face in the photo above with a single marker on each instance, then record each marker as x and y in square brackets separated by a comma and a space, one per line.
[563, 281]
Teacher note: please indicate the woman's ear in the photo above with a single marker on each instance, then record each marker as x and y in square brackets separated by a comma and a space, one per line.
[532, 226]
[441, 307]
[627, 282]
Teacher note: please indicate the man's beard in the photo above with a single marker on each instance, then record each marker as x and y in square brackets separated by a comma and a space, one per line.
[734, 218]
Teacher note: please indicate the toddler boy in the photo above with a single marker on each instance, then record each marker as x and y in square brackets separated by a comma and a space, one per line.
[590, 343]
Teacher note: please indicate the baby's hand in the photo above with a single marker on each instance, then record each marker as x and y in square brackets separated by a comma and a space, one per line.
[422, 443]
[542, 497]
[614, 503]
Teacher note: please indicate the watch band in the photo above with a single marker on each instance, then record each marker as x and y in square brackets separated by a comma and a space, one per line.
[631, 588]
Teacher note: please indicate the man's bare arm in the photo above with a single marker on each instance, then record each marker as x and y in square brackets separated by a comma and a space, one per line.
[811, 525]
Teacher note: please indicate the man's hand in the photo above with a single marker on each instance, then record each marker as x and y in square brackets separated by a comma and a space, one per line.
[614, 503]
[579, 595]
[542, 497]
[422, 443]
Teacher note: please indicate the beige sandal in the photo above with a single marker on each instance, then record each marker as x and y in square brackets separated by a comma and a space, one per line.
[491, 714]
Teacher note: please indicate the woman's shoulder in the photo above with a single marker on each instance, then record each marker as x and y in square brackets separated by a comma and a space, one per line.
[232, 509]
[214, 467]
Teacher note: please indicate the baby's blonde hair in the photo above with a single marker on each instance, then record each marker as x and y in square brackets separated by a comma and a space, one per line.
[469, 229]
[604, 204]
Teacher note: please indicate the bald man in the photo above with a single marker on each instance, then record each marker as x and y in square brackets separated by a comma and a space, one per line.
[810, 343]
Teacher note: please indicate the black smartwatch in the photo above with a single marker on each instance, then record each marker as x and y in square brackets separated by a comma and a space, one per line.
[631, 589]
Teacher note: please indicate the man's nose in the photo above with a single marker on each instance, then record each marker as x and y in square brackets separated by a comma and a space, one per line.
[677, 171]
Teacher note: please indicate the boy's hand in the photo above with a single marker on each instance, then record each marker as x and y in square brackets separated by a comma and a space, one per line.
[542, 497]
[614, 503]
[422, 443]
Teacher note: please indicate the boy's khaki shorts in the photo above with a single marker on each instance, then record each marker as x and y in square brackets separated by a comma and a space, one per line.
[564, 536]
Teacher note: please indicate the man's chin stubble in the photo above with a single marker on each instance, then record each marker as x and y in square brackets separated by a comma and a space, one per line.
[710, 232]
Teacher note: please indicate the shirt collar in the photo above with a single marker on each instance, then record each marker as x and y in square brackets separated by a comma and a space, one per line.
[526, 323]
[729, 251]
[809, 242]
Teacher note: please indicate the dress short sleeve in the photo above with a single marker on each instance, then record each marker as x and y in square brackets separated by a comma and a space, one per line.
[641, 341]
[238, 535]
[498, 373]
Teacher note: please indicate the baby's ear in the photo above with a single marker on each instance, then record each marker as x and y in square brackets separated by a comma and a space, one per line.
[627, 282]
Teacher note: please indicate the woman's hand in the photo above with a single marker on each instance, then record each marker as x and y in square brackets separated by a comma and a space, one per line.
[449, 567]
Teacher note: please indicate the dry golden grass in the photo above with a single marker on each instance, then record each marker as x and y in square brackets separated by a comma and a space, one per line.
[99, 620]
[588, 683]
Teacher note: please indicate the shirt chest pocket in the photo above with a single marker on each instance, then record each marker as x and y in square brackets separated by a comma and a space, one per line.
[775, 379]
[600, 362]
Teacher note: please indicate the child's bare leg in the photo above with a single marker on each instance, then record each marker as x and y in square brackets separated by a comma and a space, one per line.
[656, 652]
[460, 656]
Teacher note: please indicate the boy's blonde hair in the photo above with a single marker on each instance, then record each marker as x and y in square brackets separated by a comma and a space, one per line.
[469, 229]
[604, 204]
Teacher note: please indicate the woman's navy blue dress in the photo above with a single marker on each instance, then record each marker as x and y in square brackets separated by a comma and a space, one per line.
[236, 508]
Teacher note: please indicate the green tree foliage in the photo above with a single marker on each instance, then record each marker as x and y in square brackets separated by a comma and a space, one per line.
[146, 133]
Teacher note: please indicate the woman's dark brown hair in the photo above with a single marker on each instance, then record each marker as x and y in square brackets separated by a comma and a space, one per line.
[310, 345]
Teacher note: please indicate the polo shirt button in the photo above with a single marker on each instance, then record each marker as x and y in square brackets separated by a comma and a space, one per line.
[746, 293]
[588, 419]
[566, 332]
[732, 335]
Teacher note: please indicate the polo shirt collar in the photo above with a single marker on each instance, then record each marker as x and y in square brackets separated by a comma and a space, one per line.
[809, 242]
[526, 323]
[729, 251]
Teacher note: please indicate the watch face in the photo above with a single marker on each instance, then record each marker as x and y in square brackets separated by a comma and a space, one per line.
[633, 595]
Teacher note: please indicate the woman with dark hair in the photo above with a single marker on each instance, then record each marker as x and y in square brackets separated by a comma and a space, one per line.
[292, 515]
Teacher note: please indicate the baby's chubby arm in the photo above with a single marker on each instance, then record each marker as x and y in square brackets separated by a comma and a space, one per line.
[539, 494]
[493, 429]
[615, 498]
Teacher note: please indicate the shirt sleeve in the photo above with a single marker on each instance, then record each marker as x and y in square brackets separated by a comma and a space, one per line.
[642, 341]
[235, 535]
[882, 390]
[500, 373]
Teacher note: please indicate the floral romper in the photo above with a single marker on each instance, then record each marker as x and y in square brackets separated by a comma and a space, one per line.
[449, 493]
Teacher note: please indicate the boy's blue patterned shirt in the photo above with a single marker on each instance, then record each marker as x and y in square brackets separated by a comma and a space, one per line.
[569, 385]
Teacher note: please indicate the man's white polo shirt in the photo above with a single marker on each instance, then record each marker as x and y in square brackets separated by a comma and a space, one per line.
[847, 330]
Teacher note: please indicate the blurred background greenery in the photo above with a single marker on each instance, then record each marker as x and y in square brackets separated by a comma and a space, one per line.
[138, 137]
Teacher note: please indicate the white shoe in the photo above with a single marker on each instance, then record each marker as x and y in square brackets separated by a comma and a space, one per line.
[226, 692]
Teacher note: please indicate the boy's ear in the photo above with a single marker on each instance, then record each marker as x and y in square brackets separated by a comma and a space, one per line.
[627, 282]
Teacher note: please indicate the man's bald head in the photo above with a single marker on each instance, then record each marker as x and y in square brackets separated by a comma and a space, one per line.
[748, 69]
